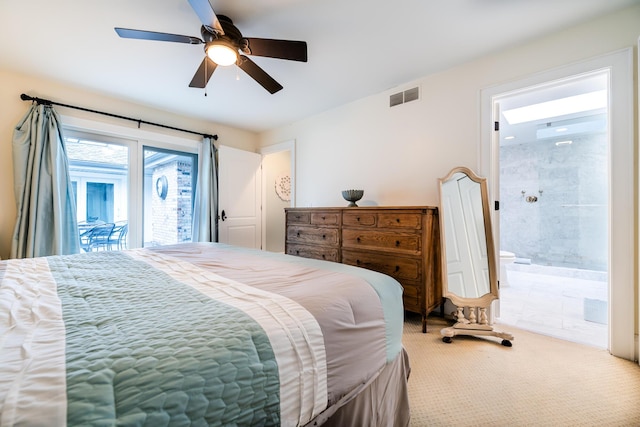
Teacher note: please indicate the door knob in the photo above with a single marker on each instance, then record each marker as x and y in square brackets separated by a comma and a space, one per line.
[224, 215]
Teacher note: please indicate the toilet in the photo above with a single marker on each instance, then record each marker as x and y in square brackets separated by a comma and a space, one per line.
[505, 258]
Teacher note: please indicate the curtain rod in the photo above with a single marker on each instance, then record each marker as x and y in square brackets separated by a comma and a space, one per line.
[42, 101]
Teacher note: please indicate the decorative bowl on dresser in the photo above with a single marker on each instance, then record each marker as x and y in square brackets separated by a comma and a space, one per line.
[352, 196]
[402, 242]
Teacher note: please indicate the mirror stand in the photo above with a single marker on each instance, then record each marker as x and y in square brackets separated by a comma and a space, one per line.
[468, 254]
[476, 324]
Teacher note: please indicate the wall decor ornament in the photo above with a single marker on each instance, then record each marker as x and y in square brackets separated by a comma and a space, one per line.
[283, 187]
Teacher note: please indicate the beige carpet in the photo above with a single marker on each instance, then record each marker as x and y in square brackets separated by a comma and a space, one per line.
[540, 381]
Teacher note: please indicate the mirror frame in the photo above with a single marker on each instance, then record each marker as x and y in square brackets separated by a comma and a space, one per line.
[486, 299]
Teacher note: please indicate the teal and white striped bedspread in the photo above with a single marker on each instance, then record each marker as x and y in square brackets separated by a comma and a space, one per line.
[191, 334]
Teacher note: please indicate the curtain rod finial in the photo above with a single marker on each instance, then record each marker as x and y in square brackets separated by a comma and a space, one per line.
[26, 97]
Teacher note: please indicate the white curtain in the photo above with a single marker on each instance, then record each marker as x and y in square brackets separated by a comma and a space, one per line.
[46, 219]
[205, 206]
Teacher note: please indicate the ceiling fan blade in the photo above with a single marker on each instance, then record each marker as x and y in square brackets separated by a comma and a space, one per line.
[207, 16]
[152, 35]
[204, 73]
[283, 49]
[258, 74]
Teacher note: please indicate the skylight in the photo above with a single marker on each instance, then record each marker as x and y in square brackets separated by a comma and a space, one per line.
[557, 107]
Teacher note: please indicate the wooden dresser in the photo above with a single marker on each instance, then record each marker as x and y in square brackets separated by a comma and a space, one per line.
[402, 242]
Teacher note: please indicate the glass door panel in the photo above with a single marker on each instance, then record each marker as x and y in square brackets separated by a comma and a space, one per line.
[168, 192]
[99, 173]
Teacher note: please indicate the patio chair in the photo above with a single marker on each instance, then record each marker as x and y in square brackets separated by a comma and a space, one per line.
[118, 237]
[97, 237]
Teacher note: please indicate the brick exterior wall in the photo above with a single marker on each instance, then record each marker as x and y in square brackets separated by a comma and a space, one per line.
[171, 217]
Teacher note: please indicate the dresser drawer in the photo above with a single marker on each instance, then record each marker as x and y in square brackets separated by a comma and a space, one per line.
[400, 220]
[312, 235]
[298, 217]
[359, 219]
[409, 243]
[315, 252]
[411, 296]
[325, 218]
[411, 303]
[396, 220]
[399, 268]
[411, 290]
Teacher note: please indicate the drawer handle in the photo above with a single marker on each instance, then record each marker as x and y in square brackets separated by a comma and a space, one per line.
[322, 218]
[357, 262]
[323, 256]
[357, 218]
[358, 239]
[324, 236]
[297, 252]
[298, 234]
[397, 242]
[298, 216]
[398, 220]
[397, 268]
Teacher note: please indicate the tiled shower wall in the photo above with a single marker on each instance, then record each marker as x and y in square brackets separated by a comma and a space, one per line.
[567, 225]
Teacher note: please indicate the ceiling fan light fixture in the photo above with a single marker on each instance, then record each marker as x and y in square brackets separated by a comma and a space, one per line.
[222, 54]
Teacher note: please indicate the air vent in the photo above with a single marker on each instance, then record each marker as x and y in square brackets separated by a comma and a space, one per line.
[411, 94]
[408, 95]
[396, 99]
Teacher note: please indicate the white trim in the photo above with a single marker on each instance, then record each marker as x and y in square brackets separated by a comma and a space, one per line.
[622, 232]
[172, 142]
[637, 207]
[272, 149]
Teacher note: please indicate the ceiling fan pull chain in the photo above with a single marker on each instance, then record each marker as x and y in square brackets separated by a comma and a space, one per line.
[206, 64]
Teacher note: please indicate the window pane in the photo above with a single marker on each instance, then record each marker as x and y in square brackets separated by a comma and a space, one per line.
[99, 201]
[99, 175]
[169, 180]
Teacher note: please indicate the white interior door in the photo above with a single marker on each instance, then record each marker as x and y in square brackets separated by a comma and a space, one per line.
[240, 195]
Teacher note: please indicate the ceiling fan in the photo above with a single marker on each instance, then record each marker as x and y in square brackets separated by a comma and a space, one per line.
[223, 43]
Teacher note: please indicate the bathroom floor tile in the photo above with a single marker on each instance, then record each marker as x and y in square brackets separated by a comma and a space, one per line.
[551, 301]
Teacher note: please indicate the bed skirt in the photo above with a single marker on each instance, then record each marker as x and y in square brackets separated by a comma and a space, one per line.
[381, 402]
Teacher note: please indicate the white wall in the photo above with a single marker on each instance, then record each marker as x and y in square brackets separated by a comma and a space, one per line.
[397, 154]
[12, 109]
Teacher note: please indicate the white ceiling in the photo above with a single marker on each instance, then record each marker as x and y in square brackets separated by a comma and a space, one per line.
[356, 48]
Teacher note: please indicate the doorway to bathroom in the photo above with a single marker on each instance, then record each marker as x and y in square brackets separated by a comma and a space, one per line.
[554, 203]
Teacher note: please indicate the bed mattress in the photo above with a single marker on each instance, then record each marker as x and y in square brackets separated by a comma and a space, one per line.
[189, 334]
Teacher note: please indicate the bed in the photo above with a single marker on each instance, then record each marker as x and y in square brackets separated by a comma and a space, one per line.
[199, 334]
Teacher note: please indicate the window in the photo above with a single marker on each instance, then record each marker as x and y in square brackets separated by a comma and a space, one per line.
[169, 186]
[116, 208]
